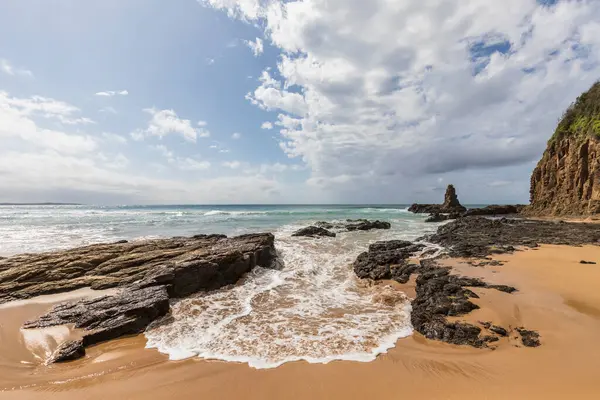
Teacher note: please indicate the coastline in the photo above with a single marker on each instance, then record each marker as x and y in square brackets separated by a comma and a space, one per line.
[557, 297]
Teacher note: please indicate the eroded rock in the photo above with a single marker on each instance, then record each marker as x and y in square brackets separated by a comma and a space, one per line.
[494, 210]
[68, 351]
[529, 338]
[150, 273]
[450, 205]
[439, 293]
[480, 237]
[314, 231]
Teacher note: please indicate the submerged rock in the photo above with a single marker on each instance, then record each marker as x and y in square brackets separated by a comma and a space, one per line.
[322, 228]
[150, 273]
[313, 231]
[366, 225]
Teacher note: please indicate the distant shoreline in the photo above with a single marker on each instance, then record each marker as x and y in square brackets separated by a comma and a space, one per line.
[41, 204]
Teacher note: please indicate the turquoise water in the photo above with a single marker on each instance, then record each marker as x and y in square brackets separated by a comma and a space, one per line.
[40, 228]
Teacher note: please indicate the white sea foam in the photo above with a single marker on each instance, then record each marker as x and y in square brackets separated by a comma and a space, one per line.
[223, 212]
[314, 309]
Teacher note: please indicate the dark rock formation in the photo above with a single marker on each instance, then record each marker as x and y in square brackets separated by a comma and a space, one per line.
[565, 181]
[480, 237]
[587, 262]
[68, 351]
[313, 231]
[151, 273]
[450, 205]
[437, 217]
[351, 225]
[377, 263]
[127, 313]
[498, 330]
[185, 265]
[494, 210]
[529, 338]
[439, 294]
[366, 225]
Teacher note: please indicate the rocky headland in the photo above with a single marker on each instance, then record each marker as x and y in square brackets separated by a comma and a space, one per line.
[566, 181]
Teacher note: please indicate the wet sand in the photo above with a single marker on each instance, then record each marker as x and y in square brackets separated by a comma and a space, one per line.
[558, 297]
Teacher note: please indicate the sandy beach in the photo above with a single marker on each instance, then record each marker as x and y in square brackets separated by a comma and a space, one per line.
[557, 297]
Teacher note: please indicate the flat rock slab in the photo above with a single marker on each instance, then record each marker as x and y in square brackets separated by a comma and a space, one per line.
[150, 273]
[481, 237]
[187, 265]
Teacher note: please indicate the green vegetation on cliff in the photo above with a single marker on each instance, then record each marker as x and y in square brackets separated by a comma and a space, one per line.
[582, 118]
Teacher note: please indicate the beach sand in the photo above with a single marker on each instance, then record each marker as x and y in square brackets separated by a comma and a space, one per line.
[558, 297]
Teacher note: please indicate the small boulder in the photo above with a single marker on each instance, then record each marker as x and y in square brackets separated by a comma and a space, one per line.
[68, 351]
[313, 231]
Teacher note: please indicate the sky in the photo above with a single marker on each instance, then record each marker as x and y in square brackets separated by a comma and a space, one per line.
[281, 101]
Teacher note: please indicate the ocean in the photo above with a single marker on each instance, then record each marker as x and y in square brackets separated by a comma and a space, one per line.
[312, 309]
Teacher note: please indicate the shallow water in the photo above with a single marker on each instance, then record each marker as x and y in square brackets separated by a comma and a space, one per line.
[312, 309]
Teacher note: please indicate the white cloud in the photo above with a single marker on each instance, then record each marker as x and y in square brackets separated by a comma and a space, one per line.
[9, 69]
[266, 125]
[17, 123]
[381, 95]
[236, 136]
[256, 46]
[232, 164]
[111, 93]
[165, 122]
[114, 138]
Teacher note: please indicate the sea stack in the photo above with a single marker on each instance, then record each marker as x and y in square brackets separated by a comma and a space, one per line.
[566, 180]
[450, 205]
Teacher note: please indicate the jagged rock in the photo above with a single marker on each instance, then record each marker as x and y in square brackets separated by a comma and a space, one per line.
[313, 231]
[127, 313]
[565, 181]
[348, 226]
[150, 273]
[68, 351]
[450, 205]
[498, 330]
[376, 263]
[479, 237]
[439, 293]
[451, 199]
[366, 225]
[200, 263]
[494, 210]
[529, 338]
[437, 217]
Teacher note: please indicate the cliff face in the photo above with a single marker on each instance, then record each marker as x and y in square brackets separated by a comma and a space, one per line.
[566, 181]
